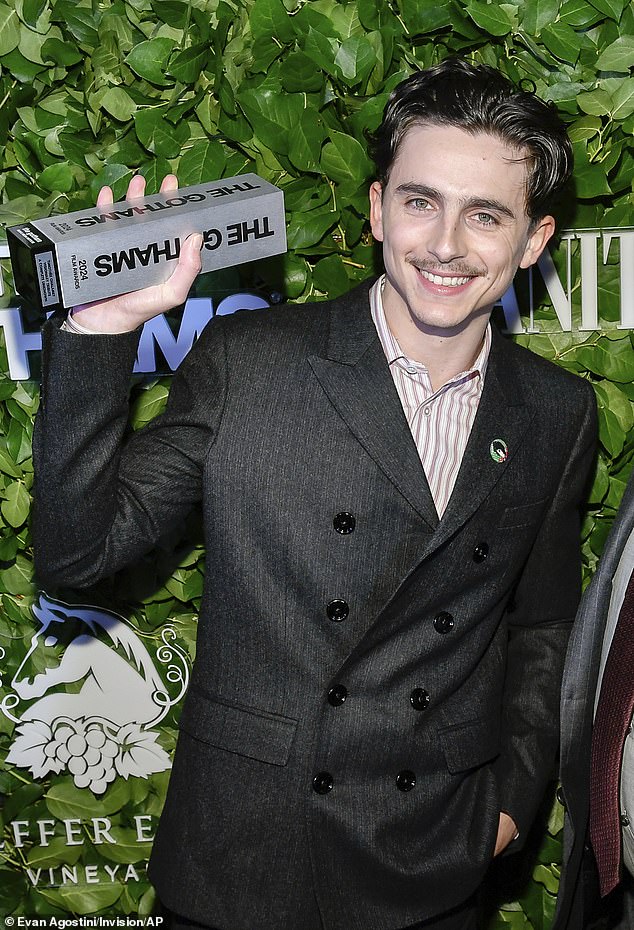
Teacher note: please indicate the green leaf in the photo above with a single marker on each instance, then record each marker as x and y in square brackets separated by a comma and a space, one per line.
[490, 17]
[330, 276]
[11, 890]
[269, 18]
[187, 66]
[611, 8]
[9, 29]
[150, 403]
[127, 848]
[619, 56]
[88, 899]
[539, 13]
[615, 363]
[595, 103]
[562, 40]
[51, 855]
[149, 60]
[345, 159]
[299, 74]
[355, 60]
[8, 466]
[590, 179]
[611, 435]
[623, 99]
[61, 53]
[32, 10]
[204, 162]
[57, 178]
[18, 578]
[65, 800]
[305, 142]
[309, 229]
[584, 128]
[118, 103]
[79, 21]
[425, 16]
[159, 136]
[273, 115]
[115, 176]
[322, 50]
[16, 504]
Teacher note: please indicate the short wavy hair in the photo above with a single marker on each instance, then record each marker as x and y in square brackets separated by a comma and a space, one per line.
[478, 99]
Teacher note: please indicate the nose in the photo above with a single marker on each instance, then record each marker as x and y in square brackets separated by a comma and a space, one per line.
[446, 239]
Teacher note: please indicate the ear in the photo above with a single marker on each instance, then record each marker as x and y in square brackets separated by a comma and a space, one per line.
[537, 240]
[376, 210]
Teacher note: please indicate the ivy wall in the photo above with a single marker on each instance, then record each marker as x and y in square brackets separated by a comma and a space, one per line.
[94, 90]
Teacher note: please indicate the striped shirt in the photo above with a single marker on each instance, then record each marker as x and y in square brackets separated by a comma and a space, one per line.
[440, 421]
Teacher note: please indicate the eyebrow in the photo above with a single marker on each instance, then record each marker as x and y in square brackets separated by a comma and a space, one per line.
[481, 203]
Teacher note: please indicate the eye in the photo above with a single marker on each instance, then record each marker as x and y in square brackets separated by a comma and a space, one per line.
[486, 219]
[419, 203]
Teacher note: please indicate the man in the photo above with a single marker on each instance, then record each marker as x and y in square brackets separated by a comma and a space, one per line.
[597, 765]
[391, 497]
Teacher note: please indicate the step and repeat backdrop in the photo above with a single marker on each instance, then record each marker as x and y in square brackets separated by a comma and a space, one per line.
[91, 682]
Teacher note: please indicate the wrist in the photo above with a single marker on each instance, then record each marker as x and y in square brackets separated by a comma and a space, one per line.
[98, 319]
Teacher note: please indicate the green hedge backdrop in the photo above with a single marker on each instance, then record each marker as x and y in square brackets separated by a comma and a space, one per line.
[94, 90]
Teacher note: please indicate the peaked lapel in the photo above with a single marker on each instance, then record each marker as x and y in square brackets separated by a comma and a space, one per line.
[356, 377]
[502, 414]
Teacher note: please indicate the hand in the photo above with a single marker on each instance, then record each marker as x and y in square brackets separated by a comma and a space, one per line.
[129, 311]
[507, 831]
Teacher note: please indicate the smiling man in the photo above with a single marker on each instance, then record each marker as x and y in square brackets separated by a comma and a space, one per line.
[392, 496]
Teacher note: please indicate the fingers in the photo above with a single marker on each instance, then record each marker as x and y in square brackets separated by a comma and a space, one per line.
[136, 189]
[169, 184]
[105, 197]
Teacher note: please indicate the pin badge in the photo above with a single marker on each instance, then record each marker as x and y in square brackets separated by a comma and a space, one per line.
[499, 450]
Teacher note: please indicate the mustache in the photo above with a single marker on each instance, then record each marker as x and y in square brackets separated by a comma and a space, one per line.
[450, 269]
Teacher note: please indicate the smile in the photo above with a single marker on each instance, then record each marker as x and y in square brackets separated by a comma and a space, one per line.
[444, 280]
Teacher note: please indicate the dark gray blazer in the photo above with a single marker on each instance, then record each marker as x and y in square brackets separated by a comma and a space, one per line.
[577, 711]
[446, 639]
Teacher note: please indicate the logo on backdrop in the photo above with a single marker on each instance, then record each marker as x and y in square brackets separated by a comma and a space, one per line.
[88, 695]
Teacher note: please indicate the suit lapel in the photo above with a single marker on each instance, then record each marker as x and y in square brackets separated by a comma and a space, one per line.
[357, 379]
[502, 415]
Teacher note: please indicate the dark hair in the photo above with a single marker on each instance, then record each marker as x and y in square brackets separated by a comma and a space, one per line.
[478, 99]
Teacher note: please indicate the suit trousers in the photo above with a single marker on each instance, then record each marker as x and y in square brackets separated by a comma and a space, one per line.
[463, 917]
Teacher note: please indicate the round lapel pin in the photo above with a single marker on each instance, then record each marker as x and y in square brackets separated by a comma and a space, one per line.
[499, 450]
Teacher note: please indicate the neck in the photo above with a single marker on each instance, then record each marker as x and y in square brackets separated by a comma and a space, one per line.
[444, 352]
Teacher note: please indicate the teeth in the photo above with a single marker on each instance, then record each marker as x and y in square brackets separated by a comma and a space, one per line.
[445, 281]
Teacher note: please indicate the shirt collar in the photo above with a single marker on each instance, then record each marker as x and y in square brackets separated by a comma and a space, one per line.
[392, 349]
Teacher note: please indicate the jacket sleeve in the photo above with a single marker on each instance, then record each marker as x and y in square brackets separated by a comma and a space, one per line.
[539, 619]
[104, 495]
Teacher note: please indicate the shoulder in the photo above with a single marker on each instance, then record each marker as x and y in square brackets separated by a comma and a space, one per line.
[297, 327]
[544, 380]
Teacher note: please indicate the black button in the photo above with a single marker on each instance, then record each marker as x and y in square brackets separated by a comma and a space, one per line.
[323, 783]
[419, 698]
[480, 552]
[337, 695]
[560, 797]
[443, 622]
[405, 780]
[337, 610]
[344, 523]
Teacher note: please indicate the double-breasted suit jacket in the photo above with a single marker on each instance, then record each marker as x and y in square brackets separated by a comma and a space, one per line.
[372, 685]
[578, 693]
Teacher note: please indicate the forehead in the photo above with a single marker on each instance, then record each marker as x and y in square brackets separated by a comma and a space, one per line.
[455, 161]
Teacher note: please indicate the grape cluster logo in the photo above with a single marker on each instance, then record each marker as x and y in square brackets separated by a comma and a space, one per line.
[92, 697]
